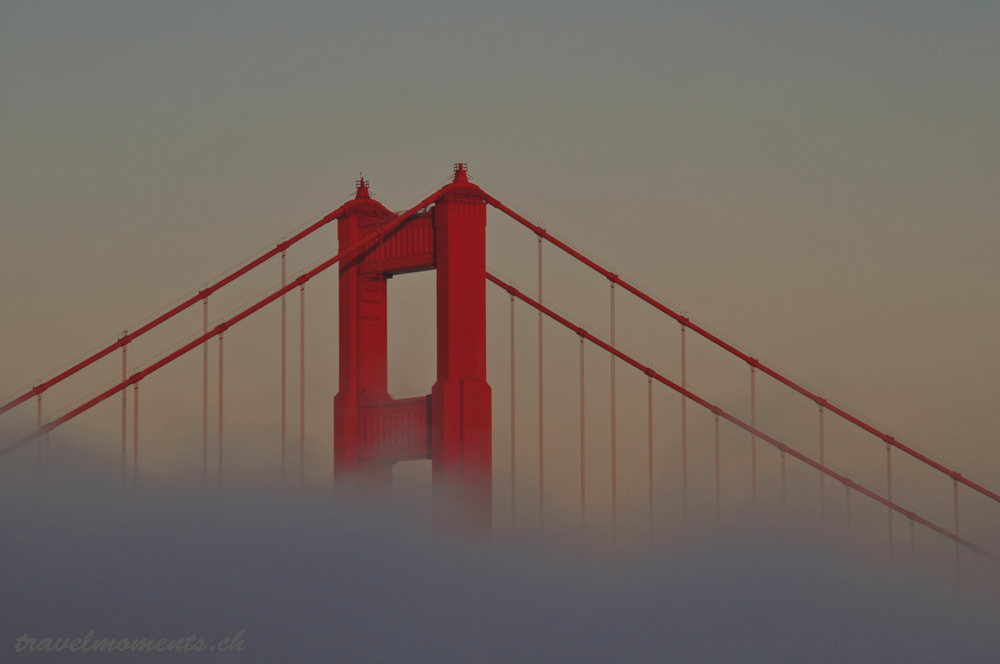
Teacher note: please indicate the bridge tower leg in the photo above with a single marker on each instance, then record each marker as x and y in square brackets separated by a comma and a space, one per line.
[363, 334]
[461, 408]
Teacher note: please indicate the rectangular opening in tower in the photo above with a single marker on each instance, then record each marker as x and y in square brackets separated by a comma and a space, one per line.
[412, 361]
[412, 334]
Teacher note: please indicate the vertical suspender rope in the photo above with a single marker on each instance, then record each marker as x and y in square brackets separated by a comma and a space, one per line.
[39, 462]
[583, 450]
[753, 437]
[718, 477]
[513, 466]
[124, 413]
[684, 449]
[822, 476]
[302, 385]
[782, 482]
[45, 471]
[650, 413]
[135, 439]
[541, 420]
[888, 492]
[204, 399]
[614, 429]
[284, 373]
[847, 493]
[220, 410]
[958, 549]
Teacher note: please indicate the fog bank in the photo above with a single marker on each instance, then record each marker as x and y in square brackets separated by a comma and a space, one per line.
[318, 578]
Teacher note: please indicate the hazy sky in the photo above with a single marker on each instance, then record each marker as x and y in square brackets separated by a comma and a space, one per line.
[816, 182]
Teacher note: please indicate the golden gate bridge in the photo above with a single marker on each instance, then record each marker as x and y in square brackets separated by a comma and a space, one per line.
[456, 425]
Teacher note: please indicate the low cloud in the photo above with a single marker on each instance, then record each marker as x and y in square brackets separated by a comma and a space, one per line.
[324, 578]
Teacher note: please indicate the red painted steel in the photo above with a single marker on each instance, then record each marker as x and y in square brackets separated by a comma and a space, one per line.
[752, 361]
[38, 446]
[202, 294]
[782, 483]
[124, 413]
[848, 483]
[541, 402]
[958, 551]
[204, 398]
[888, 491]
[684, 428]
[847, 507]
[45, 469]
[753, 439]
[410, 250]
[284, 373]
[462, 404]
[363, 339]
[650, 413]
[513, 465]
[718, 475]
[453, 424]
[356, 249]
[220, 410]
[583, 440]
[395, 430]
[822, 477]
[614, 427]
[135, 439]
[461, 408]
[302, 384]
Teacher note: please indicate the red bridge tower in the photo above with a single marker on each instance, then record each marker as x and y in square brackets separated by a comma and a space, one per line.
[452, 426]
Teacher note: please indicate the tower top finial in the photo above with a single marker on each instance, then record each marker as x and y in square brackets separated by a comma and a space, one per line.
[362, 185]
[461, 173]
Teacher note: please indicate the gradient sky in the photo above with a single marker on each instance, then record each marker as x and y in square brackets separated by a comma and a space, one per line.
[816, 182]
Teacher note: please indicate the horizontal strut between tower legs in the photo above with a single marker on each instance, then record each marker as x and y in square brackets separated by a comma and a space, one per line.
[685, 321]
[848, 483]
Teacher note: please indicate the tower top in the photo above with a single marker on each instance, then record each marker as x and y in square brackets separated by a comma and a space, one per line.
[362, 185]
[461, 173]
